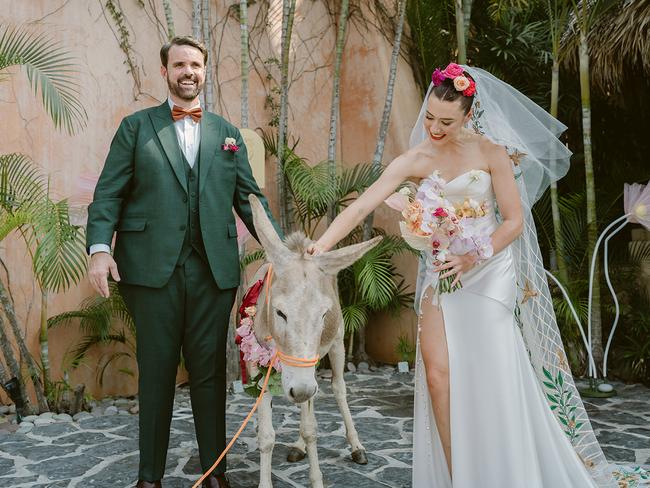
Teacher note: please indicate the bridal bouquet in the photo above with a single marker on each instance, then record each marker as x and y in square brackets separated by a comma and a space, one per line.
[433, 224]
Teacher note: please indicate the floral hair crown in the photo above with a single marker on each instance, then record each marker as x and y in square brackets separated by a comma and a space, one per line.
[455, 72]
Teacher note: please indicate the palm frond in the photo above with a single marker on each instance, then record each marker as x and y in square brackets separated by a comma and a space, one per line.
[252, 257]
[355, 316]
[21, 183]
[50, 70]
[59, 248]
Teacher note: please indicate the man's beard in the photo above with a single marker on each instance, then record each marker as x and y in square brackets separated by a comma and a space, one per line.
[185, 93]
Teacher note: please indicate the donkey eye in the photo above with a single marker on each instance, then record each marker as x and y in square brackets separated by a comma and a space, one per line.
[281, 314]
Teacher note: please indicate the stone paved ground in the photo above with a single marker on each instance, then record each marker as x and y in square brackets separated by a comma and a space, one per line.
[101, 450]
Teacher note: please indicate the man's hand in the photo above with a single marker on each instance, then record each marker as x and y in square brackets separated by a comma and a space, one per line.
[102, 263]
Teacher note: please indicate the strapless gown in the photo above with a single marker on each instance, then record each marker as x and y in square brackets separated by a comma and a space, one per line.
[503, 433]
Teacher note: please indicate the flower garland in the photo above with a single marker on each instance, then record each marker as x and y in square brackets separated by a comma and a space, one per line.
[252, 351]
[455, 72]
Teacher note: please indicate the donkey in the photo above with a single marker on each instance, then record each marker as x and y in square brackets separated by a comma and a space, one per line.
[305, 321]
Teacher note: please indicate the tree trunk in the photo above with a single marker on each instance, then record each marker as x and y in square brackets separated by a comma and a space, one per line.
[243, 23]
[334, 111]
[45, 350]
[460, 32]
[388, 104]
[555, 209]
[171, 32]
[592, 225]
[467, 17]
[207, 40]
[196, 19]
[32, 368]
[8, 353]
[288, 9]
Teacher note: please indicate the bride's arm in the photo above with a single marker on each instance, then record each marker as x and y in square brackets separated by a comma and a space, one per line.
[508, 199]
[395, 173]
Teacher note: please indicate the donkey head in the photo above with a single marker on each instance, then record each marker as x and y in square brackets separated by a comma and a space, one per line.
[304, 315]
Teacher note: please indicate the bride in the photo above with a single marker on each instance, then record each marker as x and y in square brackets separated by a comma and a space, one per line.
[495, 402]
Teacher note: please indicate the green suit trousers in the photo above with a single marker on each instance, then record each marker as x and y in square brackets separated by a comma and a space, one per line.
[189, 314]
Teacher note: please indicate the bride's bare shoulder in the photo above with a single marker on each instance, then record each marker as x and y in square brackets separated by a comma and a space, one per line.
[417, 159]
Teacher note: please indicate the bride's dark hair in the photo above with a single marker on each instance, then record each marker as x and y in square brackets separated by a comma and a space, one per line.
[446, 92]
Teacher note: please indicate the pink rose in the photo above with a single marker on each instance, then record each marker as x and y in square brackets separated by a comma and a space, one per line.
[461, 83]
[440, 212]
[470, 90]
[437, 77]
[453, 70]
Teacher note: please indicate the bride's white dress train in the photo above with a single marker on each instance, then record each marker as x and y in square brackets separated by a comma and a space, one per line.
[503, 433]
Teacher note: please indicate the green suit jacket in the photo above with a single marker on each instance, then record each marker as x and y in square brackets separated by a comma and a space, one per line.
[142, 194]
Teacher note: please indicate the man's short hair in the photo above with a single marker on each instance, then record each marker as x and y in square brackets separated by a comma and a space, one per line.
[182, 41]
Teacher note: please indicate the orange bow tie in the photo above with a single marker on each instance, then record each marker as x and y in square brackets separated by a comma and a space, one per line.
[178, 113]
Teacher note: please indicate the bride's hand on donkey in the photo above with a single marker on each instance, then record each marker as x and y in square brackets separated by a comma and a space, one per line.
[456, 265]
[315, 249]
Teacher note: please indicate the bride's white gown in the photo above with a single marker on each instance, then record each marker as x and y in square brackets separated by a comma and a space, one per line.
[503, 433]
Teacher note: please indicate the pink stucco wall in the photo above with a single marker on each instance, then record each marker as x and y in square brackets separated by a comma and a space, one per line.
[109, 93]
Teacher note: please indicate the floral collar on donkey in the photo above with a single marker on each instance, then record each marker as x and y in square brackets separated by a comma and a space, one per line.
[251, 350]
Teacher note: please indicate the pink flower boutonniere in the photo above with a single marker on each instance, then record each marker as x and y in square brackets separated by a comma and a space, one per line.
[230, 145]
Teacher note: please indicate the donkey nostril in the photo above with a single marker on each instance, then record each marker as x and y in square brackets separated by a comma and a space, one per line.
[291, 393]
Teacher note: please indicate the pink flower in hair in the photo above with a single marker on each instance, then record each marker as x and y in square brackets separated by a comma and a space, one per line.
[437, 77]
[453, 70]
[471, 89]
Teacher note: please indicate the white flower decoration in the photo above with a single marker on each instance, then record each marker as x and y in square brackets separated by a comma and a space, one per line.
[474, 175]
[230, 141]
[405, 191]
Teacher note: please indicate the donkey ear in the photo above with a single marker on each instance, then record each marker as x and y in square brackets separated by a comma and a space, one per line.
[334, 261]
[268, 237]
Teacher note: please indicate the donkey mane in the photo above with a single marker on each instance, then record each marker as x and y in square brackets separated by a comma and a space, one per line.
[298, 242]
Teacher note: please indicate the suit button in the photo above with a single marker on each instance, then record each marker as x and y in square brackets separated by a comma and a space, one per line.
[191, 177]
[184, 199]
[193, 194]
[194, 210]
[182, 227]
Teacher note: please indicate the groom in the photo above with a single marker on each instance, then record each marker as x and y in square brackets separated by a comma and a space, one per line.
[170, 181]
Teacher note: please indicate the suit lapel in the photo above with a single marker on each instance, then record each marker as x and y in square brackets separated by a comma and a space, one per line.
[208, 147]
[161, 118]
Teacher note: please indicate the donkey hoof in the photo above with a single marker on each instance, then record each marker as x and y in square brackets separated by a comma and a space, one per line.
[359, 456]
[295, 455]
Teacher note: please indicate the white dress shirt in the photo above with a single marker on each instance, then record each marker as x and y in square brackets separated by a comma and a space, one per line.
[188, 134]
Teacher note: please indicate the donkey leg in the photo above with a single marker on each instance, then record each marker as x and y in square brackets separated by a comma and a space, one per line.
[265, 440]
[337, 360]
[308, 431]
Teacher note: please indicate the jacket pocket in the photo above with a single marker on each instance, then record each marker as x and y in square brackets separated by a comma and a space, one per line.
[232, 230]
[132, 224]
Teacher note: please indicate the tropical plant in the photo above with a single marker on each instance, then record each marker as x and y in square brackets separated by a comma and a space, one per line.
[50, 71]
[104, 322]
[54, 245]
[429, 37]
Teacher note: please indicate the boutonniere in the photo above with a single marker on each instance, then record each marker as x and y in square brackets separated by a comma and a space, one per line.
[230, 145]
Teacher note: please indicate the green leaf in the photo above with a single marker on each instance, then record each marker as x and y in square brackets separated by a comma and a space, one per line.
[552, 398]
[50, 70]
[564, 421]
[547, 374]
